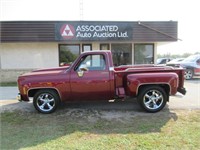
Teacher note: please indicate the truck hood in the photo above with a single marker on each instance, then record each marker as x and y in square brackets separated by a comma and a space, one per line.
[46, 71]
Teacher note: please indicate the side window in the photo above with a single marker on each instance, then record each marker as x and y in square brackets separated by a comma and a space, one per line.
[92, 62]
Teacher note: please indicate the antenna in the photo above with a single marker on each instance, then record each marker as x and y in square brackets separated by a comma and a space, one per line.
[81, 9]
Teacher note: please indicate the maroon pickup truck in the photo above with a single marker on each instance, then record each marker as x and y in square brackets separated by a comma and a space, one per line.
[93, 77]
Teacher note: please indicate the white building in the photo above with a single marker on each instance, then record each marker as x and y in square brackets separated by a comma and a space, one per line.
[28, 45]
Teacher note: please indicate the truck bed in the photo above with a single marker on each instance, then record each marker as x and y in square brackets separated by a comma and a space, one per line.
[121, 72]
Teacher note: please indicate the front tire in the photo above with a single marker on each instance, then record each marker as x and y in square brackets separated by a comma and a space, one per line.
[152, 98]
[46, 101]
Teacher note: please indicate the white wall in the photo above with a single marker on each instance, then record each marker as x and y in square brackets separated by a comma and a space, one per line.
[28, 55]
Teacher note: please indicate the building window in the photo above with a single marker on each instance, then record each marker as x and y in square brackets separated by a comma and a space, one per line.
[143, 53]
[104, 47]
[122, 54]
[87, 47]
[68, 53]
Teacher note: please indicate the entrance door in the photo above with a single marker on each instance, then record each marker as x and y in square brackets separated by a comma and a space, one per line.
[122, 54]
[144, 54]
[90, 79]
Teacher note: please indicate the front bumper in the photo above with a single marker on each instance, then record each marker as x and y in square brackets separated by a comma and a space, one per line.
[19, 97]
[182, 90]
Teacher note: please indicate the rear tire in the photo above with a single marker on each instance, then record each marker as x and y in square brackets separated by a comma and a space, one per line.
[189, 73]
[46, 101]
[152, 98]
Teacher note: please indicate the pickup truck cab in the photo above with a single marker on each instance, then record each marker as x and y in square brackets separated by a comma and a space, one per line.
[93, 77]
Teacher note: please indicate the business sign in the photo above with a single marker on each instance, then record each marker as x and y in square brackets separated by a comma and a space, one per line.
[93, 31]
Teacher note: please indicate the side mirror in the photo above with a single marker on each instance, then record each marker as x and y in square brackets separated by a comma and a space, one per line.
[84, 69]
[81, 71]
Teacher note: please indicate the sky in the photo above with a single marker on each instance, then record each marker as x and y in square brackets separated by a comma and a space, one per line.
[186, 12]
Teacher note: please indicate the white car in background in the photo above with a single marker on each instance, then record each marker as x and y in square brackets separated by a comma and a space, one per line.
[191, 65]
[175, 60]
[163, 61]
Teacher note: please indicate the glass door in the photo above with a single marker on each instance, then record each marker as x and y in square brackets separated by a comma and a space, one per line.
[122, 54]
[143, 53]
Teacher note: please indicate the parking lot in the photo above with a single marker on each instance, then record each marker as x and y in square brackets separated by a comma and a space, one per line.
[190, 101]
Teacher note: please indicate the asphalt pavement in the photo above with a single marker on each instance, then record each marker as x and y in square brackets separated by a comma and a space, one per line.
[8, 93]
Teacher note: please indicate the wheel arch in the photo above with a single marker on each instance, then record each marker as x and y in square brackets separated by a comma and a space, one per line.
[165, 86]
[189, 67]
[33, 91]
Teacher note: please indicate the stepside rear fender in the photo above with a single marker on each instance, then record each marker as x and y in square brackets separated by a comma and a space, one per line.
[167, 80]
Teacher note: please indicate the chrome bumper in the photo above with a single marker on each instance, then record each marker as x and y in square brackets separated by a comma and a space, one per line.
[19, 97]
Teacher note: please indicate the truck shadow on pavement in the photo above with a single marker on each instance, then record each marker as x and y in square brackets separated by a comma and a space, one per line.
[97, 118]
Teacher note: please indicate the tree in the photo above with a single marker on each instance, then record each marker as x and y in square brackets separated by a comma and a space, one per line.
[169, 55]
[67, 56]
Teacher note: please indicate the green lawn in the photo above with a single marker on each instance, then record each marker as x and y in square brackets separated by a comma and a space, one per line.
[8, 83]
[93, 129]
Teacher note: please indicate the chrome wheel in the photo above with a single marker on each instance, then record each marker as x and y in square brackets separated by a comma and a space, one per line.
[46, 101]
[188, 74]
[153, 99]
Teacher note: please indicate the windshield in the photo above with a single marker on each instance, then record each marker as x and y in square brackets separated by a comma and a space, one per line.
[159, 60]
[177, 60]
[191, 58]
